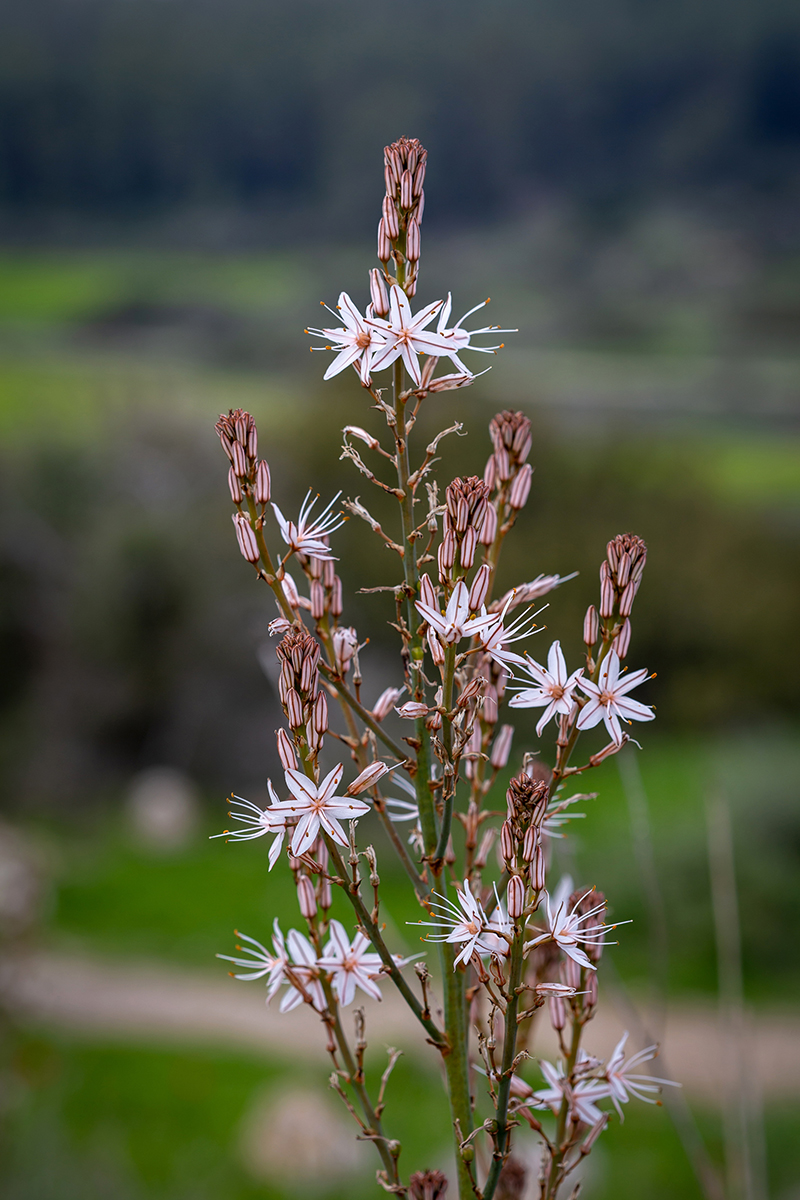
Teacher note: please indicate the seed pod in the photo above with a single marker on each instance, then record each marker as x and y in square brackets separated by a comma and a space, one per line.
[246, 538]
[306, 898]
[263, 488]
[234, 486]
[378, 293]
[515, 896]
[591, 626]
[521, 487]
[412, 241]
[501, 747]
[480, 585]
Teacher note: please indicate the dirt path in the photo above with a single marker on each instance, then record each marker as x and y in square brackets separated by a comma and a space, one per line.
[147, 1002]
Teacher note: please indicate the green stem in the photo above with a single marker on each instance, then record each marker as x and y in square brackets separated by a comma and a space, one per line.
[456, 1062]
[269, 569]
[503, 1135]
[449, 778]
[559, 1145]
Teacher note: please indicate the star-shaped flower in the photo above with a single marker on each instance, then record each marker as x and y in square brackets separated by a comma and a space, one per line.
[608, 699]
[468, 923]
[356, 342]
[307, 536]
[406, 336]
[567, 926]
[623, 1085]
[455, 623]
[351, 964]
[260, 962]
[495, 636]
[581, 1097]
[554, 687]
[459, 339]
[317, 805]
[257, 822]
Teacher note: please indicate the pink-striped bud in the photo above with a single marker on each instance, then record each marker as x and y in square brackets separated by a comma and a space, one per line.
[263, 488]
[489, 710]
[294, 709]
[384, 245]
[558, 1013]
[286, 751]
[368, 777]
[426, 592]
[420, 207]
[239, 460]
[613, 557]
[234, 486]
[325, 894]
[590, 1000]
[412, 241]
[502, 463]
[328, 572]
[419, 178]
[623, 569]
[447, 550]
[227, 444]
[245, 537]
[572, 973]
[336, 597]
[529, 843]
[522, 443]
[606, 598]
[490, 472]
[484, 849]
[306, 898]
[386, 702]
[252, 441]
[521, 487]
[627, 598]
[390, 181]
[489, 527]
[319, 715]
[538, 870]
[515, 896]
[412, 709]
[508, 845]
[378, 293]
[461, 515]
[345, 644]
[435, 647]
[501, 747]
[394, 168]
[309, 674]
[290, 592]
[469, 693]
[406, 189]
[314, 738]
[480, 585]
[316, 594]
[390, 220]
[591, 626]
[411, 287]
[622, 641]
[468, 548]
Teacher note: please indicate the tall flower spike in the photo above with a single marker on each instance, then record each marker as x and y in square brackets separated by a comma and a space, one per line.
[608, 699]
[307, 536]
[355, 343]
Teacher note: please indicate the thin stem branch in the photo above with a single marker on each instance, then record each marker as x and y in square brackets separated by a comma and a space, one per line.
[502, 1137]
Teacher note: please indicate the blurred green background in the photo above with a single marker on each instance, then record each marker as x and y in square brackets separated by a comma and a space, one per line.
[180, 185]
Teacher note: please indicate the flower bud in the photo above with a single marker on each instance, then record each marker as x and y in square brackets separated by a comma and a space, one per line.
[369, 776]
[246, 537]
[435, 647]
[627, 598]
[538, 870]
[623, 639]
[286, 751]
[529, 844]
[502, 464]
[489, 710]
[234, 486]
[448, 550]
[290, 591]
[345, 644]
[336, 597]
[317, 596]
[378, 293]
[521, 487]
[623, 569]
[480, 585]
[419, 179]
[420, 207]
[384, 245]
[489, 527]
[406, 189]
[390, 221]
[294, 709]
[412, 241]
[591, 626]
[572, 973]
[469, 692]
[606, 598]
[558, 1013]
[590, 1001]
[468, 548]
[239, 460]
[515, 896]
[412, 709]
[426, 592]
[263, 488]
[319, 714]
[501, 747]
[508, 845]
[490, 472]
[306, 898]
[328, 572]
[484, 849]
[385, 702]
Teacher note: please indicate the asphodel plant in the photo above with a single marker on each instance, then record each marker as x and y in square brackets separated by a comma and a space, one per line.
[508, 945]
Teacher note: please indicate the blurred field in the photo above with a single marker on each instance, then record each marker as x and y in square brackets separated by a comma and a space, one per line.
[130, 628]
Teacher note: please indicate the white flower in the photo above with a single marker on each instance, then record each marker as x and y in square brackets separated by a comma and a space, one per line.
[581, 1098]
[523, 593]
[557, 813]
[622, 1085]
[608, 700]
[454, 623]
[318, 805]
[564, 926]
[554, 690]
[355, 343]
[307, 536]
[495, 638]
[458, 339]
[405, 336]
[257, 822]
[468, 920]
[351, 964]
[302, 974]
[260, 961]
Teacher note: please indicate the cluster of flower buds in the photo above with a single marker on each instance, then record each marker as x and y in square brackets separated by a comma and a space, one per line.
[403, 205]
[521, 846]
[248, 475]
[508, 467]
[467, 502]
[620, 577]
[305, 705]
[324, 588]
[427, 1185]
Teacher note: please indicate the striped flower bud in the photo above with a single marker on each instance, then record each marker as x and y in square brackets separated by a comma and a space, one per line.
[239, 460]
[263, 488]
[319, 715]
[427, 593]
[419, 179]
[484, 849]
[501, 747]
[538, 870]
[246, 537]
[384, 245]
[515, 896]
[489, 527]
[306, 898]
[290, 591]
[386, 702]
[502, 464]
[390, 220]
[406, 189]
[558, 1013]
[234, 486]
[378, 293]
[469, 693]
[480, 586]
[591, 626]
[328, 572]
[521, 487]
[412, 241]
[345, 644]
[368, 777]
[435, 647]
[448, 550]
[294, 709]
[529, 843]
[606, 599]
[316, 593]
[489, 710]
[490, 472]
[622, 641]
[468, 545]
[411, 290]
[508, 844]
[336, 597]
[627, 598]
[286, 751]
[623, 569]
[420, 207]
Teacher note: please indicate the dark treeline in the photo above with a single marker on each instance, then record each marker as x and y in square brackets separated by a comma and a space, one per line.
[131, 107]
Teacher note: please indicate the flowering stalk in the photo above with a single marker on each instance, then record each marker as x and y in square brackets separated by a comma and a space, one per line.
[509, 940]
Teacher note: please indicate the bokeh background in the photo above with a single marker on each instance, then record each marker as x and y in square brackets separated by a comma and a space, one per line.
[180, 184]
